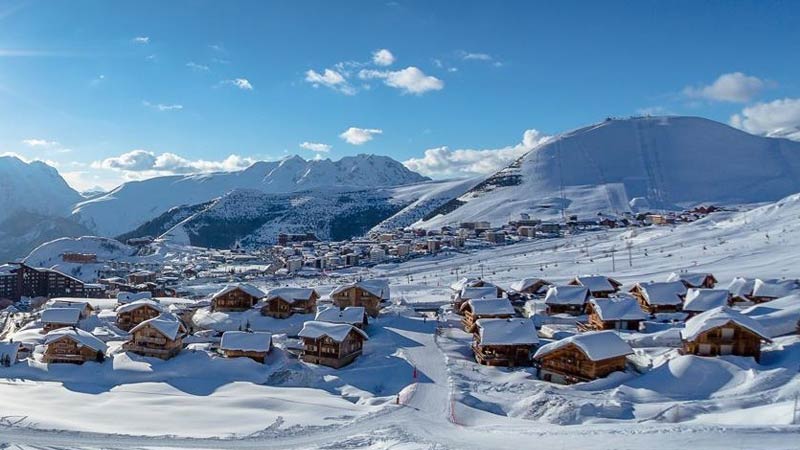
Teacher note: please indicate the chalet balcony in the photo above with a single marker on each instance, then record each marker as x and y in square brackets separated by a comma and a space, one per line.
[150, 340]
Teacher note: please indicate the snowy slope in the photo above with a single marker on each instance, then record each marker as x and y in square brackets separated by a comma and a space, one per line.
[33, 187]
[667, 161]
[49, 255]
[134, 203]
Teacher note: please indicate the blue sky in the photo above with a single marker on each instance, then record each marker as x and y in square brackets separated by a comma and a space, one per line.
[112, 91]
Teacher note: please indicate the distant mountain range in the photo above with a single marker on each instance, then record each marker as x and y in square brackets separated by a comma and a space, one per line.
[611, 167]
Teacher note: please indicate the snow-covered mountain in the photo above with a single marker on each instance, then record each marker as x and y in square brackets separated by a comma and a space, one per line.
[33, 187]
[133, 204]
[651, 162]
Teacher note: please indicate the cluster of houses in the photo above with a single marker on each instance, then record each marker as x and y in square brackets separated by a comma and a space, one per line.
[711, 326]
[335, 337]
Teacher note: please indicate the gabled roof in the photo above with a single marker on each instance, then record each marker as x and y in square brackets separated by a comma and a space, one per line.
[378, 288]
[741, 286]
[290, 295]
[662, 293]
[489, 306]
[351, 315]
[774, 288]
[166, 324]
[9, 349]
[337, 331]
[566, 295]
[136, 304]
[598, 283]
[619, 308]
[246, 341]
[247, 288]
[690, 279]
[126, 297]
[467, 282]
[81, 337]
[526, 283]
[68, 302]
[718, 317]
[596, 345]
[478, 292]
[507, 332]
[699, 300]
[68, 316]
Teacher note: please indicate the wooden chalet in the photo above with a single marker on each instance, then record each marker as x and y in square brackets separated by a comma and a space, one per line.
[741, 289]
[616, 313]
[723, 331]
[694, 280]
[85, 307]
[660, 297]
[246, 344]
[331, 344]
[486, 308]
[570, 299]
[701, 300]
[141, 277]
[599, 286]
[131, 314]
[352, 315]
[530, 286]
[283, 302]
[473, 292]
[768, 290]
[161, 337]
[504, 342]
[236, 297]
[370, 294]
[72, 345]
[582, 357]
[55, 318]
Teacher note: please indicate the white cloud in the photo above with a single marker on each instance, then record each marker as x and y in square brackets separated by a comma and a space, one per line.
[382, 57]
[141, 40]
[152, 164]
[476, 56]
[359, 136]
[162, 107]
[316, 147]
[40, 143]
[241, 83]
[331, 79]
[197, 67]
[733, 87]
[776, 118]
[410, 80]
[443, 162]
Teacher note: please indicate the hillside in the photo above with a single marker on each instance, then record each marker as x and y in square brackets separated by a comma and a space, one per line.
[662, 162]
[33, 187]
[135, 203]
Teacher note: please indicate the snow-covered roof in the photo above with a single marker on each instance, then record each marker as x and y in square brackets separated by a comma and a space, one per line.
[718, 317]
[526, 283]
[69, 316]
[68, 302]
[377, 287]
[9, 349]
[619, 308]
[507, 332]
[81, 337]
[692, 279]
[337, 331]
[741, 287]
[596, 345]
[246, 341]
[699, 300]
[466, 282]
[566, 295]
[598, 283]
[247, 288]
[489, 306]
[351, 315]
[663, 293]
[125, 297]
[165, 324]
[774, 288]
[140, 304]
[289, 294]
[478, 292]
